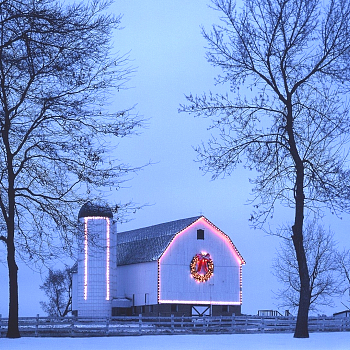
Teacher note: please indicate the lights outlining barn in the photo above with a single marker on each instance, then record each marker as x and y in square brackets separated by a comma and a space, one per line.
[85, 258]
[108, 247]
[175, 268]
[86, 254]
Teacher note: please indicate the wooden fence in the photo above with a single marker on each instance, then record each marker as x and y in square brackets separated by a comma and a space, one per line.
[139, 325]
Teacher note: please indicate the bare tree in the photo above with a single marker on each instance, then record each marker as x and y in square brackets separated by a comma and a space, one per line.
[58, 289]
[57, 77]
[321, 257]
[343, 259]
[286, 114]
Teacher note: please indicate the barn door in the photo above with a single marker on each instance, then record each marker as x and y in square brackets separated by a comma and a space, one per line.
[200, 310]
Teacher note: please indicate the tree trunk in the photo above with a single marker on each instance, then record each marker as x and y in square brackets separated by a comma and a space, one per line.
[12, 330]
[302, 325]
[301, 329]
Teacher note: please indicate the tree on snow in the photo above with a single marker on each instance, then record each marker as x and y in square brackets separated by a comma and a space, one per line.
[57, 76]
[286, 114]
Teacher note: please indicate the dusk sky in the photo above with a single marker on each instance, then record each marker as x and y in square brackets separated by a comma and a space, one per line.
[167, 48]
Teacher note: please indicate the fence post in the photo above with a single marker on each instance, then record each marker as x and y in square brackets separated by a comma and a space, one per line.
[140, 324]
[343, 324]
[172, 323]
[262, 330]
[277, 323]
[72, 325]
[107, 325]
[37, 325]
[0, 326]
[233, 322]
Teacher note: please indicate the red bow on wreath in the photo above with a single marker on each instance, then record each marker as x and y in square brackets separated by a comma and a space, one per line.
[202, 262]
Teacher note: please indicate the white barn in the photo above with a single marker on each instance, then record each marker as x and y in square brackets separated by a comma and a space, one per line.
[183, 267]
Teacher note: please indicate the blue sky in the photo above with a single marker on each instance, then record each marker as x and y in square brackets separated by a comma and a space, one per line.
[166, 46]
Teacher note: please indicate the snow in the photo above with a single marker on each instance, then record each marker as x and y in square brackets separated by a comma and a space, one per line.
[317, 341]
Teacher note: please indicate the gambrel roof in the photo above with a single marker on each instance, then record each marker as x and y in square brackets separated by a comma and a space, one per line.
[148, 243]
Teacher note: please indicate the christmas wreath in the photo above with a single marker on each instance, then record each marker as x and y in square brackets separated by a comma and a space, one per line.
[202, 267]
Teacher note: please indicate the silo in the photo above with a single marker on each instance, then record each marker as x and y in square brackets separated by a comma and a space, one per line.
[96, 279]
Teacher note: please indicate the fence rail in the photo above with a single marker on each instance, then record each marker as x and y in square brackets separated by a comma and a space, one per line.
[138, 325]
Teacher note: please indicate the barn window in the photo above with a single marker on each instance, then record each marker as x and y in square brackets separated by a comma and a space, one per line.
[200, 234]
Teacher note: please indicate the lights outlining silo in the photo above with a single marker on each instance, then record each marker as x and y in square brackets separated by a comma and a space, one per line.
[97, 260]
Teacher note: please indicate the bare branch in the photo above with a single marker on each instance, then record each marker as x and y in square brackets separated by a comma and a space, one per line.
[286, 114]
[57, 77]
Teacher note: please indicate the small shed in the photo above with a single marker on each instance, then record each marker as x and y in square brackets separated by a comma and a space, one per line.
[345, 313]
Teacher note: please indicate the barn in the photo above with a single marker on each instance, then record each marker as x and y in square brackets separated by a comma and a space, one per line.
[183, 267]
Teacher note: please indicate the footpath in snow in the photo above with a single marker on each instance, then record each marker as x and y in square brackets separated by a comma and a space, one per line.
[317, 341]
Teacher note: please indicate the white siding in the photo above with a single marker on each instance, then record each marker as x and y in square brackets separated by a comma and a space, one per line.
[74, 291]
[176, 282]
[138, 282]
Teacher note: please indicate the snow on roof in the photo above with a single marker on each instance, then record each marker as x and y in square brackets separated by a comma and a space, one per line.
[148, 243]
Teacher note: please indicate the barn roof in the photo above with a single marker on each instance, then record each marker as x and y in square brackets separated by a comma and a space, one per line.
[148, 243]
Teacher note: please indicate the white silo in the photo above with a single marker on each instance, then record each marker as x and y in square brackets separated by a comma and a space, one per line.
[96, 278]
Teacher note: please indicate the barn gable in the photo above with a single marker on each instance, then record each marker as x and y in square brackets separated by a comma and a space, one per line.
[182, 279]
[215, 228]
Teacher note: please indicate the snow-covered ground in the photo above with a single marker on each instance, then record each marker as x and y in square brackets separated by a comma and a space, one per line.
[317, 341]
